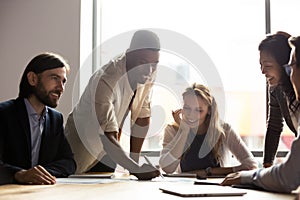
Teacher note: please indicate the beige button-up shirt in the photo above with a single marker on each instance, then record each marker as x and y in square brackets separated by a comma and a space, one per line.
[108, 93]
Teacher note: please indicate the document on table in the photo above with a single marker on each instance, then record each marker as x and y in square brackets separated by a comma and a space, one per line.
[84, 180]
[87, 178]
[96, 175]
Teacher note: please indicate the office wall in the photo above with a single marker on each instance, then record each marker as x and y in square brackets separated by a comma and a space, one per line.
[28, 27]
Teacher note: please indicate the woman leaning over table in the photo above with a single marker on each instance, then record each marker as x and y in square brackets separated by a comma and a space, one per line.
[284, 177]
[274, 53]
[200, 142]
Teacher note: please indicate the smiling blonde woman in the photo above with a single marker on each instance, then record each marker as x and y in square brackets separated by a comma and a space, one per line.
[199, 142]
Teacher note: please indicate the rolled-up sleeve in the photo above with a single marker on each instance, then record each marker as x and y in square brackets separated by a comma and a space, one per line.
[104, 107]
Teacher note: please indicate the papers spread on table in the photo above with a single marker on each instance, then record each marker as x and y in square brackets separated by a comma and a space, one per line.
[84, 180]
[87, 178]
[96, 175]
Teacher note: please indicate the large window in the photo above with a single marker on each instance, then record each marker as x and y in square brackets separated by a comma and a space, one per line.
[228, 33]
[284, 15]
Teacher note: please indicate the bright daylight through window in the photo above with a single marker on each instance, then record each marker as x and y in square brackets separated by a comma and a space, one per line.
[228, 32]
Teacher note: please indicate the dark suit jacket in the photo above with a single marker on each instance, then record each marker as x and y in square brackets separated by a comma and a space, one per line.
[15, 142]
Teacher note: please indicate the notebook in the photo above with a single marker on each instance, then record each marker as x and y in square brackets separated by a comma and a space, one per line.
[208, 182]
[211, 176]
[181, 175]
[201, 190]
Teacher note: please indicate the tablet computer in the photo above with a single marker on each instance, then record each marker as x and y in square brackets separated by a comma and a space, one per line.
[201, 190]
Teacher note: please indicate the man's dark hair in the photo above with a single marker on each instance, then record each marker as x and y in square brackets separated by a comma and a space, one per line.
[38, 64]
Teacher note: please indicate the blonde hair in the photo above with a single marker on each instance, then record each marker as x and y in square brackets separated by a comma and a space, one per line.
[215, 132]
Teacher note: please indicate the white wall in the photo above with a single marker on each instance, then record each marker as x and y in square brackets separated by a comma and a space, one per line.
[28, 27]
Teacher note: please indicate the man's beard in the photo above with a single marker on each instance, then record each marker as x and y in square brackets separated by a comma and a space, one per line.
[43, 96]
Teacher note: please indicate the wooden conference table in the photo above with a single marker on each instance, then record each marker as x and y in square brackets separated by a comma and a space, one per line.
[119, 188]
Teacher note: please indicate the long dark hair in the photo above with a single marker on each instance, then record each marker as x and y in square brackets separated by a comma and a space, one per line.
[295, 42]
[278, 46]
[38, 64]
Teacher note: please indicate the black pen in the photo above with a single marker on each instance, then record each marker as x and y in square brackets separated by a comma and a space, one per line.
[149, 162]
